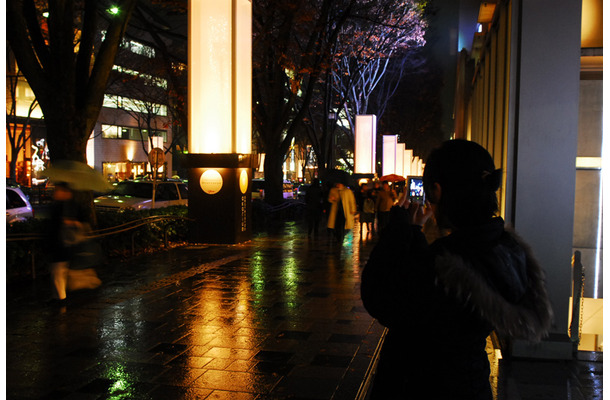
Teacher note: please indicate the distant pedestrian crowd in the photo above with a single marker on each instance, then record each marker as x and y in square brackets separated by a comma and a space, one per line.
[343, 207]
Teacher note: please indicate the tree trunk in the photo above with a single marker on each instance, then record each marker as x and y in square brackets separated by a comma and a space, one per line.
[13, 166]
[66, 135]
[274, 178]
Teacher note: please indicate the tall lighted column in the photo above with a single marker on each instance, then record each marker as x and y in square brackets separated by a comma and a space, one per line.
[220, 120]
[366, 135]
[415, 166]
[400, 159]
[389, 154]
[407, 162]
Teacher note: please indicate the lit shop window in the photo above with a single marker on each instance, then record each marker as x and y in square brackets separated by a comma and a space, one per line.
[110, 132]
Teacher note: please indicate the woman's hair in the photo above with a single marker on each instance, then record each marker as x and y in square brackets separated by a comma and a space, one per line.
[468, 179]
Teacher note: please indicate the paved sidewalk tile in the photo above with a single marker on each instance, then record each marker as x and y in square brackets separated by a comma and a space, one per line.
[279, 317]
[276, 318]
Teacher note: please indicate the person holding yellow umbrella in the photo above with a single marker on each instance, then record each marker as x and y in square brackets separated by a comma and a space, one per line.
[73, 253]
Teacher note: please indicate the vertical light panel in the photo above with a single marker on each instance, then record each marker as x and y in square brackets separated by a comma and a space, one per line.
[415, 166]
[157, 142]
[400, 159]
[407, 162]
[220, 77]
[366, 134]
[389, 154]
[91, 150]
[243, 76]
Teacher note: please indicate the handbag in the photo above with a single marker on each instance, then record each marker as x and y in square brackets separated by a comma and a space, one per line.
[86, 254]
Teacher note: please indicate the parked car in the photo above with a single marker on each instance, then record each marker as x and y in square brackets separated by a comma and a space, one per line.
[137, 195]
[18, 207]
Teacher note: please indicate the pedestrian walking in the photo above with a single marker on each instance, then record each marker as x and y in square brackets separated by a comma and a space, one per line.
[367, 211]
[360, 194]
[384, 202]
[73, 254]
[440, 302]
[374, 192]
[342, 210]
[313, 207]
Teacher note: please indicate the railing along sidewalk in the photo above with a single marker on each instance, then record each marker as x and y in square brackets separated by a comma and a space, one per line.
[101, 233]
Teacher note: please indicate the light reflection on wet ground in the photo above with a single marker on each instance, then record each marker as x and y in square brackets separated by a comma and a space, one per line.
[278, 317]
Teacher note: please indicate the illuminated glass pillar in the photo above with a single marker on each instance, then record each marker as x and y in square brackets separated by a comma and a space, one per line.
[407, 162]
[400, 159]
[366, 135]
[220, 120]
[389, 154]
[415, 166]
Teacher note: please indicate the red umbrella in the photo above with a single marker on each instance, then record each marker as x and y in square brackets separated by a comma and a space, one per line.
[392, 178]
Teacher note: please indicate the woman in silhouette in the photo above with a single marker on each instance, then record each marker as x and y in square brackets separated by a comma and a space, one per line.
[440, 302]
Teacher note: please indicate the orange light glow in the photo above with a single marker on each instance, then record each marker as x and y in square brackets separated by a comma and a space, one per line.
[592, 24]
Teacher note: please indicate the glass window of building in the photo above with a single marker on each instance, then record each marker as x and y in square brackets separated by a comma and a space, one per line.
[110, 131]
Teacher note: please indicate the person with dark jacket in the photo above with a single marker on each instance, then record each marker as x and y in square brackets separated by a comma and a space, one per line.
[67, 233]
[440, 302]
[314, 207]
[384, 202]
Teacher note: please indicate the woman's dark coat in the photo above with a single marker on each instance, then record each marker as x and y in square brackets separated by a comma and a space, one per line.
[440, 302]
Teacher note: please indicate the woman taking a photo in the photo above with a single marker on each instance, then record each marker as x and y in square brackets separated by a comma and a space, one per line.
[441, 301]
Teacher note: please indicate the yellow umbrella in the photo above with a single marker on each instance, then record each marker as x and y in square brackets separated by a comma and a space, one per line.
[78, 176]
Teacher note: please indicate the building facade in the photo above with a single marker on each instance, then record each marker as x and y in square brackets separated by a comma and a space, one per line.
[529, 89]
[133, 120]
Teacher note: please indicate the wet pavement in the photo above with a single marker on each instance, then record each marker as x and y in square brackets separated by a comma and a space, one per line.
[278, 317]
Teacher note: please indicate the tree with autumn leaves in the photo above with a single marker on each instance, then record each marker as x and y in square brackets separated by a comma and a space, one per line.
[312, 58]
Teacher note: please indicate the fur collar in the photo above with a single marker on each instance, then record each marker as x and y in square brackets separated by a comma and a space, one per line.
[529, 318]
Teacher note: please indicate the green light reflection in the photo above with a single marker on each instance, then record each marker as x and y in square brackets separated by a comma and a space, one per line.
[290, 279]
[258, 275]
[122, 387]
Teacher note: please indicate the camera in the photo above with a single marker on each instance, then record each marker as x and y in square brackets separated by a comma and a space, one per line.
[415, 185]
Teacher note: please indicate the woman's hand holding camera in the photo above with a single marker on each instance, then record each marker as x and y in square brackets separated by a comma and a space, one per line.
[419, 213]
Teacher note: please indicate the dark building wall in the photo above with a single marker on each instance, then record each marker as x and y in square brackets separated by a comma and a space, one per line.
[525, 110]
[442, 46]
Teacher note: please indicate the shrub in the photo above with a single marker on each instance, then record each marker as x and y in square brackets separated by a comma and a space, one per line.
[119, 237]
